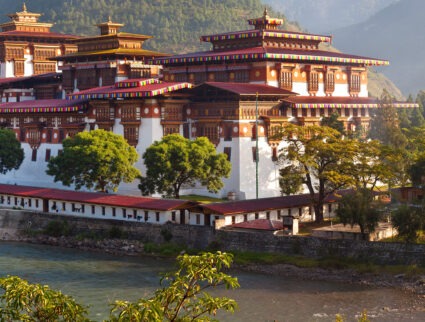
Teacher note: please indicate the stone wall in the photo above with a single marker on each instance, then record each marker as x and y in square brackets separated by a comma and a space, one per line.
[376, 252]
[15, 224]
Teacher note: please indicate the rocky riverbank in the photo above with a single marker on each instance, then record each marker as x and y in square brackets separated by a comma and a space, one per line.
[414, 283]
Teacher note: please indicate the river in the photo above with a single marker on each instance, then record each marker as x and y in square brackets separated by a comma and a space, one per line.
[97, 279]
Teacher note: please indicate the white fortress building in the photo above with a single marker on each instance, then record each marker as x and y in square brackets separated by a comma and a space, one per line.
[265, 76]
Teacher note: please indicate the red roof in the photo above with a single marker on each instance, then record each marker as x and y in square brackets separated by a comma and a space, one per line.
[146, 90]
[340, 102]
[260, 224]
[255, 205]
[95, 198]
[48, 105]
[270, 53]
[249, 89]
[266, 204]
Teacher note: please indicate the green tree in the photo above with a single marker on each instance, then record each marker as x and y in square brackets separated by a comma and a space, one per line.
[290, 180]
[324, 159]
[417, 118]
[97, 159]
[176, 161]
[22, 301]
[374, 164]
[360, 209]
[333, 121]
[384, 125]
[183, 295]
[408, 220]
[11, 153]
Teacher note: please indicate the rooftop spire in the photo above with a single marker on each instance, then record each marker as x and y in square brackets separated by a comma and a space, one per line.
[24, 7]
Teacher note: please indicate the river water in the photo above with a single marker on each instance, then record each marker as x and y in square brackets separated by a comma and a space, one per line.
[97, 279]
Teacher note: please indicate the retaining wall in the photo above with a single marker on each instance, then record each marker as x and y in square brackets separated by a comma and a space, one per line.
[14, 224]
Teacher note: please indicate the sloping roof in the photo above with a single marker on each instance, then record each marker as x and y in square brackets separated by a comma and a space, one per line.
[44, 106]
[266, 204]
[114, 51]
[140, 89]
[259, 224]
[249, 89]
[270, 53]
[340, 102]
[243, 34]
[96, 198]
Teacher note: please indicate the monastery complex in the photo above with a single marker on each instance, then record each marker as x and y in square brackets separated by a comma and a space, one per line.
[53, 86]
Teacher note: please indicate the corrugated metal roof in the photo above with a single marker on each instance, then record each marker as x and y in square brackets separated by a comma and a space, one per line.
[260, 224]
[96, 198]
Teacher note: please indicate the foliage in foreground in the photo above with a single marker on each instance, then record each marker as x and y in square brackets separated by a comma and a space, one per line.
[23, 301]
[182, 296]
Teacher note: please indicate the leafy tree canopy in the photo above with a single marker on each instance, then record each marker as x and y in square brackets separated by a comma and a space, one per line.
[183, 296]
[97, 159]
[324, 159]
[11, 153]
[359, 208]
[409, 220]
[384, 125]
[176, 161]
[333, 121]
[22, 301]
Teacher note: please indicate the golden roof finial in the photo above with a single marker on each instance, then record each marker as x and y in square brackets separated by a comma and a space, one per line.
[265, 14]
[24, 7]
[109, 19]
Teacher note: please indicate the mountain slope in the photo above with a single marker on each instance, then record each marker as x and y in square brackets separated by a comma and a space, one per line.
[325, 15]
[395, 33]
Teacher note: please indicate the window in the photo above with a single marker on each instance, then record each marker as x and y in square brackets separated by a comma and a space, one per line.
[330, 83]
[198, 219]
[268, 215]
[173, 216]
[286, 79]
[289, 212]
[135, 214]
[124, 213]
[300, 212]
[355, 83]
[114, 212]
[103, 211]
[329, 208]
[157, 216]
[36, 203]
[34, 155]
[228, 151]
[233, 220]
[146, 215]
[245, 217]
[63, 206]
[256, 215]
[274, 154]
[48, 152]
[93, 209]
[279, 214]
[29, 202]
[73, 207]
[313, 82]
[254, 154]
[83, 208]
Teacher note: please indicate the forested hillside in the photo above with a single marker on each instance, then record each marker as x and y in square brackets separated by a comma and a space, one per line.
[175, 25]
